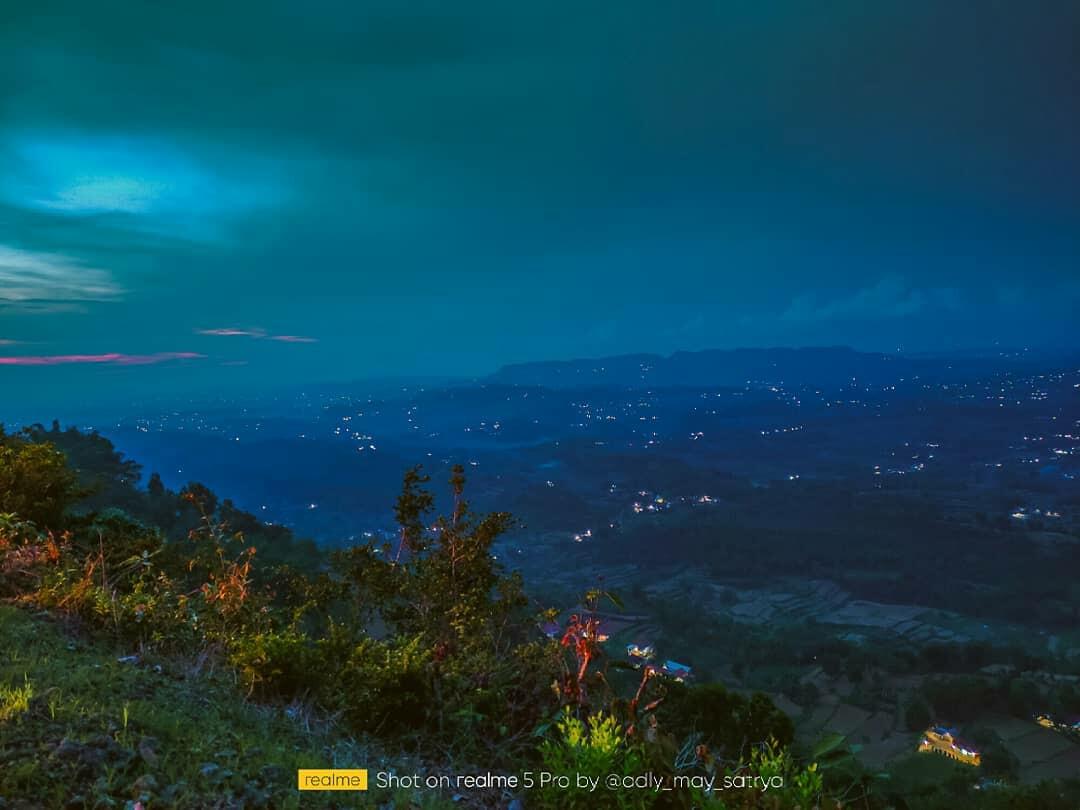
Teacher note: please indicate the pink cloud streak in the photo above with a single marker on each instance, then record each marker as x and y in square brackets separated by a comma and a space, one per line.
[114, 359]
[259, 334]
[231, 332]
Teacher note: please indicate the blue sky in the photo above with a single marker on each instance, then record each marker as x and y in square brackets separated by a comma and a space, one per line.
[244, 194]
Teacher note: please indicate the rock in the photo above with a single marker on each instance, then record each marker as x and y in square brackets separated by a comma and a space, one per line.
[128, 659]
[92, 758]
[254, 796]
[67, 751]
[101, 794]
[101, 741]
[171, 794]
[272, 774]
[84, 757]
[146, 750]
[210, 770]
[147, 783]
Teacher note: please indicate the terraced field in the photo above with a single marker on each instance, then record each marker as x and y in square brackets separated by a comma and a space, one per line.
[821, 601]
[1043, 753]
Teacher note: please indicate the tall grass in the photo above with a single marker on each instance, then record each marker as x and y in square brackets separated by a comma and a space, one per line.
[15, 700]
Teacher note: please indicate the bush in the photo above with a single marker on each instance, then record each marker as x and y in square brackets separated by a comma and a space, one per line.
[281, 662]
[596, 748]
[385, 688]
[726, 721]
[35, 482]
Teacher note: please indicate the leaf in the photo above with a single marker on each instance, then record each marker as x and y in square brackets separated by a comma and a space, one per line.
[615, 600]
[827, 746]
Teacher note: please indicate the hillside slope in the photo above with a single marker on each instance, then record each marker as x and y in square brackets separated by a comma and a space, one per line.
[86, 724]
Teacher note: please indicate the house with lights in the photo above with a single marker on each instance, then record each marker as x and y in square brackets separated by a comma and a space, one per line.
[639, 654]
[676, 671]
[938, 740]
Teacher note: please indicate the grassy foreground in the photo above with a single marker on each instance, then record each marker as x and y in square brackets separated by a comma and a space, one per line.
[81, 725]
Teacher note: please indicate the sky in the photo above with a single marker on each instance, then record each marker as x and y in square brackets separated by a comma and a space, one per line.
[233, 195]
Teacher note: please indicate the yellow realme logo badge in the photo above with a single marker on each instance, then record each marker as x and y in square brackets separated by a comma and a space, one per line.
[332, 779]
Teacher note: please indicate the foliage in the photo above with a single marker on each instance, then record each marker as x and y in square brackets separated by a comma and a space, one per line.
[917, 715]
[959, 698]
[594, 747]
[105, 477]
[15, 700]
[725, 721]
[35, 481]
[457, 655]
[425, 645]
[100, 732]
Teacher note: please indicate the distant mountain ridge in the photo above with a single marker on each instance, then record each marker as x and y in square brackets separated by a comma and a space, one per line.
[826, 366]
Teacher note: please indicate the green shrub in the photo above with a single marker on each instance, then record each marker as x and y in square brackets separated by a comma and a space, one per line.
[385, 688]
[35, 482]
[283, 663]
[595, 747]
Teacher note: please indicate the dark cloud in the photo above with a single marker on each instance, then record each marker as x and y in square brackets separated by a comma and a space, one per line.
[888, 298]
[571, 178]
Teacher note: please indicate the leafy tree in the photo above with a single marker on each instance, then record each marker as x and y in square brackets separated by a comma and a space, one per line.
[996, 760]
[107, 477]
[1024, 698]
[960, 698]
[725, 720]
[154, 487]
[475, 664]
[35, 482]
[917, 715]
